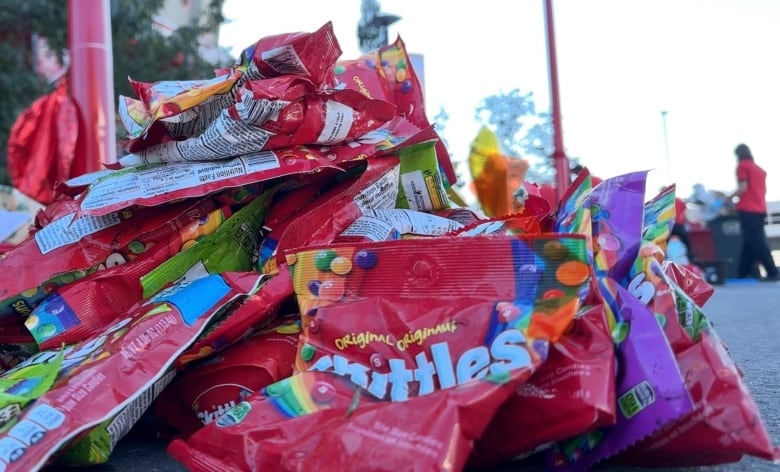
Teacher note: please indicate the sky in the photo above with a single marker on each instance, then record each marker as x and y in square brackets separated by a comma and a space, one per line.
[711, 65]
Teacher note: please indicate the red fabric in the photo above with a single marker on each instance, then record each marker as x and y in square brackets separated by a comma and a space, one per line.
[595, 180]
[753, 200]
[42, 143]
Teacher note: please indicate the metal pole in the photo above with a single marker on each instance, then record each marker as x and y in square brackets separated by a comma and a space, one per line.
[92, 82]
[666, 147]
[559, 155]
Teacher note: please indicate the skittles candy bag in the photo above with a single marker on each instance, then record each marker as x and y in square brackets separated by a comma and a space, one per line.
[725, 423]
[616, 207]
[242, 319]
[388, 74]
[649, 387]
[71, 247]
[210, 387]
[100, 378]
[394, 331]
[86, 307]
[572, 392]
[174, 110]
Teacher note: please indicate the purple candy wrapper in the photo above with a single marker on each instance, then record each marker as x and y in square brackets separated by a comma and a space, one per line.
[616, 207]
[650, 388]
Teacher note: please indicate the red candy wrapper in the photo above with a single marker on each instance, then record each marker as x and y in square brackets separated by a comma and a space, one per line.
[85, 308]
[389, 74]
[109, 191]
[690, 281]
[109, 372]
[334, 212]
[178, 110]
[209, 388]
[274, 114]
[514, 224]
[724, 425]
[450, 337]
[70, 248]
[251, 314]
[649, 387]
[571, 393]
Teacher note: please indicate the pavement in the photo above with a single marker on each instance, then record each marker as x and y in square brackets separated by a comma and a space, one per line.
[746, 315]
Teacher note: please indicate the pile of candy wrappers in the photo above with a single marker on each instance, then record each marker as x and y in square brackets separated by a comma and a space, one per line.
[278, 273]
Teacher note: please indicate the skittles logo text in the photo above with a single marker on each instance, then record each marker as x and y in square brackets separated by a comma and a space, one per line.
[418, 336]
[415, 337]
[507, 352]
[362, 340]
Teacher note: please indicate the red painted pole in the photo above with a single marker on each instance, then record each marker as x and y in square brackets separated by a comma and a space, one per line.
[91, 78]
[559, 155]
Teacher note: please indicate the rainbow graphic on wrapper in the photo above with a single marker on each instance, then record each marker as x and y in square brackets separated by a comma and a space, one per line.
[300, 395]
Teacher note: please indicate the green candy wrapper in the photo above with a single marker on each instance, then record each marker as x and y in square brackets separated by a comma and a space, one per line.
[420, 185]
[18, 387]
[231, 248]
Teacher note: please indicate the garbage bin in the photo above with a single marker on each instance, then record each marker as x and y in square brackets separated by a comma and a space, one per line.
[727, 239]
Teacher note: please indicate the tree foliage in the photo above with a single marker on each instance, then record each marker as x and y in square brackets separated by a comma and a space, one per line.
[140, 51]
[521, 130]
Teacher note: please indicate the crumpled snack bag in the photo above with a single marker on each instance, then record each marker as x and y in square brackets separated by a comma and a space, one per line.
[24, 384]
[690, 282]
[112, 190]
[242, 319]
[389, 74]
[491, 171]
[421, 184]
[616, 207]
[573, 214]
[232, 247]
[427, 339]
[87, 307]
[724, 425]
[105, 383]
[212, 386]
[376, 188]
[174, 110]
[71, 247]
[649, 387]
[274, 114]
[571, 393]
[396, 223]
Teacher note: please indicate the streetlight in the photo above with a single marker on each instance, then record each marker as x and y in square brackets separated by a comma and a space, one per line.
[666, 146]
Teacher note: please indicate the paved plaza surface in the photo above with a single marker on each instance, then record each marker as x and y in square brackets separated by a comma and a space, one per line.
[746, 316]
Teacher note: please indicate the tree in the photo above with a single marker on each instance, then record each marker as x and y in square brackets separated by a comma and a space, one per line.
[521, 130]
[140, 51]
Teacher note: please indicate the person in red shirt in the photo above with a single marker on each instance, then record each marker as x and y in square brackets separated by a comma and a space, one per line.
[751, 210]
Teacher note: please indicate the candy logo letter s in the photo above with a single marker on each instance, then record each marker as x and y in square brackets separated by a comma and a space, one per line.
[507, 349]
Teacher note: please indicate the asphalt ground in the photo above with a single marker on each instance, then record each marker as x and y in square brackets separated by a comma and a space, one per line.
[746, 315]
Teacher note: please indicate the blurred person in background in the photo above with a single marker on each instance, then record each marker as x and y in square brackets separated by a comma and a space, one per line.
[751, 210]
[679, 229]
[575, 172]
